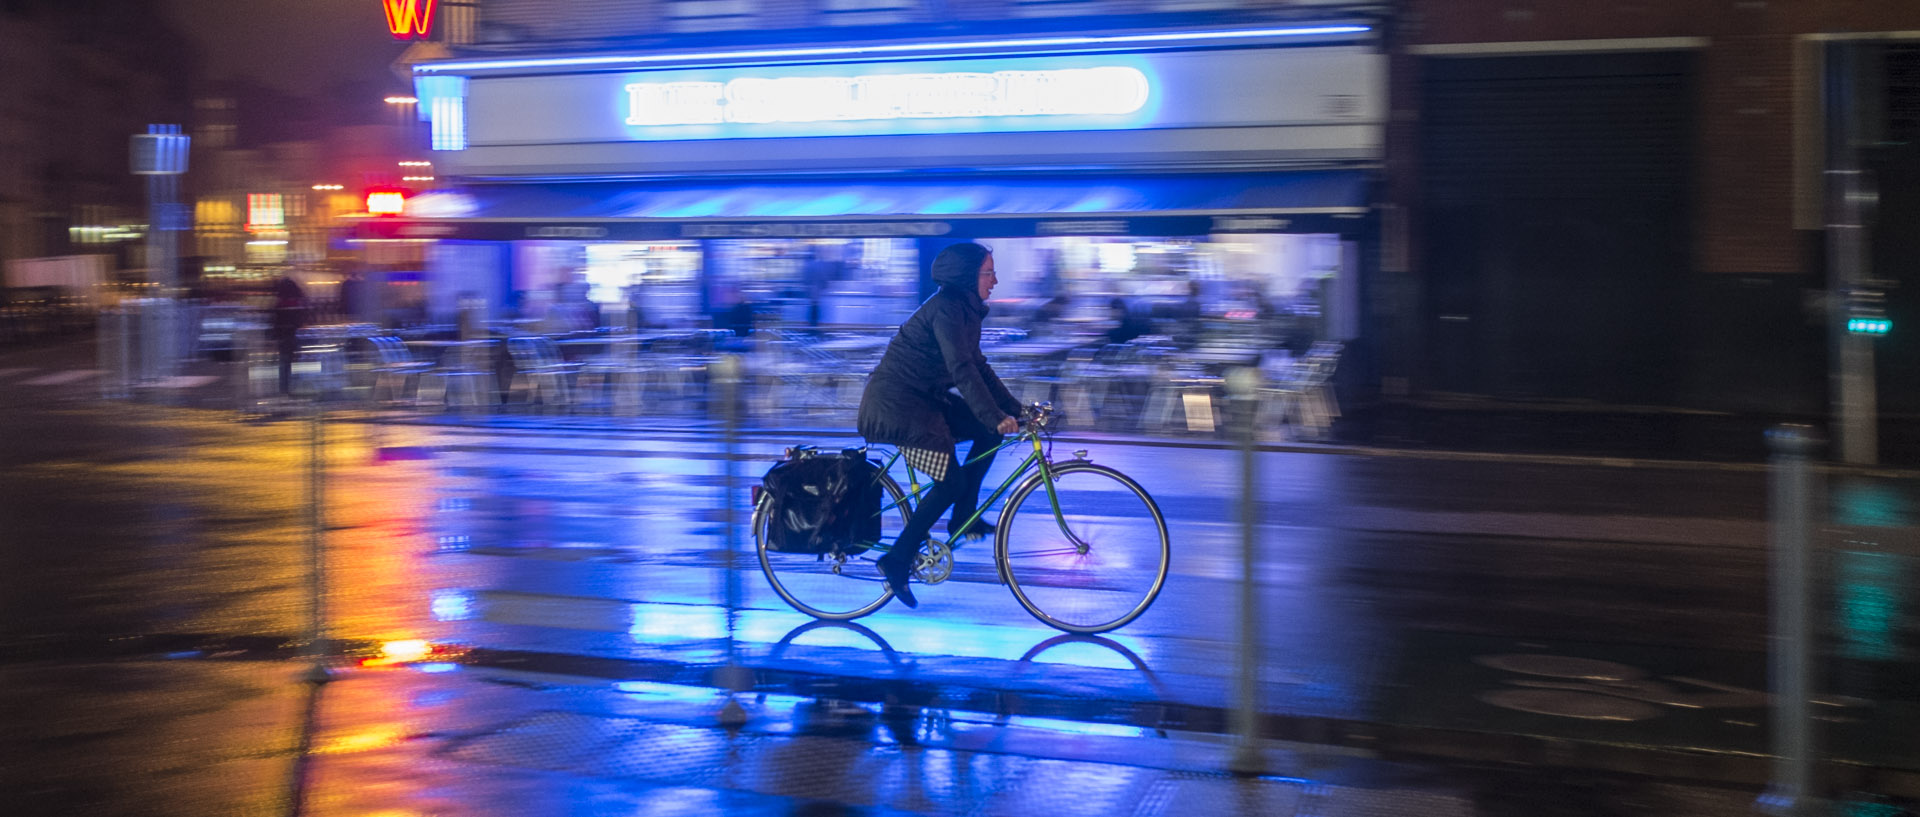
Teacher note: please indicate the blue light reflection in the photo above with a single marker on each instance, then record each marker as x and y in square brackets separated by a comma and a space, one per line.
[452, 605]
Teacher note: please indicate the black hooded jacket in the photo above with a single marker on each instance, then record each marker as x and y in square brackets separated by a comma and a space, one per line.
[936, 349]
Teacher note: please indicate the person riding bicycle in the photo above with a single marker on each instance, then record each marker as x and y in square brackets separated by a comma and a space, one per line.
[907, 403]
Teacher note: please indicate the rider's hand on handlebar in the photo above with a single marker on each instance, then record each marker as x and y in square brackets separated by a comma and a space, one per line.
[1008, 425]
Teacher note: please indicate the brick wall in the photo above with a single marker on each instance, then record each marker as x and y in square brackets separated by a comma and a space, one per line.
[1746, 162]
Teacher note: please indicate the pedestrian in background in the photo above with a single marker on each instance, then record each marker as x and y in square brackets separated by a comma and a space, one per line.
[1128, 322]
[289, 317]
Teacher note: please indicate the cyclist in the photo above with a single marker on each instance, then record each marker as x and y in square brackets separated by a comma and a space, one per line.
[907, 403]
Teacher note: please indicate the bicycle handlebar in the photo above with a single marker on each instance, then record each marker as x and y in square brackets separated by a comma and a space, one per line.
[1037, 414]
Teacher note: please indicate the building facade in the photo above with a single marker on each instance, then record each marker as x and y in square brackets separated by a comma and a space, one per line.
[78, 83]
[1629, 203]
[811, 158]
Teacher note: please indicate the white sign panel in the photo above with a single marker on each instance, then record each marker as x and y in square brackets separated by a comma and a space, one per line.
[1319, 103]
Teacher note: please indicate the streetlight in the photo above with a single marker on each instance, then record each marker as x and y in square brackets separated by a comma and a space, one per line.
[403, 108]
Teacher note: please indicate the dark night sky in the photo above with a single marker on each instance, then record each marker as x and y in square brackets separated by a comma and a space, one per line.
[299, 46]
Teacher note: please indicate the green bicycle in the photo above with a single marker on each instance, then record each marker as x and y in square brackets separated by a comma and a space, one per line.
[1087, 554]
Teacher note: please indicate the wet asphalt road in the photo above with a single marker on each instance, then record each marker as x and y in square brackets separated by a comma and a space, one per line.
[542, 558]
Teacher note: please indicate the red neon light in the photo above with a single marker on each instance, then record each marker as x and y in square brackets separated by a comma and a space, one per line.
[386, 202]
[409, 19]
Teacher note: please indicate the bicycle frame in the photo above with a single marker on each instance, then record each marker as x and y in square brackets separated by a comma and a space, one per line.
[1036, 459]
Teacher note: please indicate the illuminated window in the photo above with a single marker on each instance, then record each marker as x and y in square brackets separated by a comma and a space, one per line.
[265, 211]
[450, 123]
[215, 213]
[443, 102]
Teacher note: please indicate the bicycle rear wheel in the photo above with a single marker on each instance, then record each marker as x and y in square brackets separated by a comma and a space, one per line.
[1096, 566]
[826, 586]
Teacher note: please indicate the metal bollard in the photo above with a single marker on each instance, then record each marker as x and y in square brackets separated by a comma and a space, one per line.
[318, 389]
[734, 678]
[314, 388]
[115, 354]
[1791, 506]
[1243, 389]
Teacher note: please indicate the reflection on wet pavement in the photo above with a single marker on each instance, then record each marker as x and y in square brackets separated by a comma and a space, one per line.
[569, 605]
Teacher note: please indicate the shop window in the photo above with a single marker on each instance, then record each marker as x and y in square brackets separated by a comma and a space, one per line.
[659, 278]
[1266, 290]
[796, 282]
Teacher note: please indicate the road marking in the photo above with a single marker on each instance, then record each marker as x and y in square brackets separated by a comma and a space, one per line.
[16, 370]
[186, 381]
[61, 378]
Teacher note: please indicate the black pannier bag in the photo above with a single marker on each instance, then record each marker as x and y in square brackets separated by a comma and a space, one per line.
[823, 504]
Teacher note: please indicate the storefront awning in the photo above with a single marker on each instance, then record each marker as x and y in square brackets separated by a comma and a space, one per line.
[1320, 201]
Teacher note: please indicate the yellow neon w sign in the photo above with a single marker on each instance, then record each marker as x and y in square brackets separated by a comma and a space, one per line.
[409, 19]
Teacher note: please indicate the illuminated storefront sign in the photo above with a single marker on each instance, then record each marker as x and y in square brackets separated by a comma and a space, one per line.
[975, 95]
[1130, 103]
[409, 19]
[1099, 91]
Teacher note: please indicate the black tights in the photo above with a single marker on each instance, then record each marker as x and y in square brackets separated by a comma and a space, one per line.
[960, 491]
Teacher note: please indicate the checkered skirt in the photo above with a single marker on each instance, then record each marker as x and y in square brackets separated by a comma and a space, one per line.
[932, 462]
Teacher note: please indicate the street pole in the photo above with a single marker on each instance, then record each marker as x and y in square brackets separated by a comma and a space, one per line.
[733, 678]
[1851, 355]
[1791, 792]
[1243, 390]
[317, 645]
[318, 674]
[160, 154]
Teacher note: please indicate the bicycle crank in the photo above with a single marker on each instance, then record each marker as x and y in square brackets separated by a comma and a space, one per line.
[933, 563]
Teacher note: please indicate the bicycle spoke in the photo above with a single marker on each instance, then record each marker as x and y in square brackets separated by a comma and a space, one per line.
[833, 587]
[1119, 571]
[1062, 551]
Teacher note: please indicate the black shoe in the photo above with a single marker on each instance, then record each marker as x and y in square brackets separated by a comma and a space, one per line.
[897, 571]
[980, 529]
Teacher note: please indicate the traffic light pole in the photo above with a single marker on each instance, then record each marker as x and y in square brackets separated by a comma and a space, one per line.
[1851, 363]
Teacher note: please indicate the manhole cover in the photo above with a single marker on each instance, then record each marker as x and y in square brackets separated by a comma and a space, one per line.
[1560, 666]
[1580, 705]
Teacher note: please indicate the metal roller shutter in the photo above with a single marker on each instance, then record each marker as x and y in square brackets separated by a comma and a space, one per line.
[1556, 194]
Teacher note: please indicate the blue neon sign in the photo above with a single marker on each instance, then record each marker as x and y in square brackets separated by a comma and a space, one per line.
[945, 96]
[851, 52]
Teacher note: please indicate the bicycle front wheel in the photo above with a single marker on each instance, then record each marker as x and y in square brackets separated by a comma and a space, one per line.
[1097, 564]
[831, 587]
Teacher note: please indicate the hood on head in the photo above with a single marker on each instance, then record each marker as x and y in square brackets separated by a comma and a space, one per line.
[959, 266]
